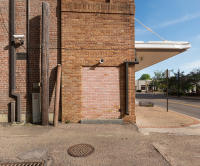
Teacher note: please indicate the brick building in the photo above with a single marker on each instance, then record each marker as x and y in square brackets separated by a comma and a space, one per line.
[82, 33]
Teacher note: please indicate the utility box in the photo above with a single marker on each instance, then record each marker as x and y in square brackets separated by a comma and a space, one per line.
[12, 114]
[36, 109]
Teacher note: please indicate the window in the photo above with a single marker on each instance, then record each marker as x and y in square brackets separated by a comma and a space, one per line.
[107, 1]
[143, 87]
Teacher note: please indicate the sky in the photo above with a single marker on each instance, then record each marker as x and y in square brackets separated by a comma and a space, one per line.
[174, 20]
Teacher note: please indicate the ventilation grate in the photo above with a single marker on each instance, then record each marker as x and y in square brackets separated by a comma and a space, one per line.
[23, 164]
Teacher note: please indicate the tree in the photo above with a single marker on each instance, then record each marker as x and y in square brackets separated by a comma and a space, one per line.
[177, 85]
[194, 79]
[145, 77]
[159, 81]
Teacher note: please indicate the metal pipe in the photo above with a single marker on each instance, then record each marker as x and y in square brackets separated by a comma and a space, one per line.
[27, 51]
[127, 83]
[13, 60]
[127, 88]
[167, 77]
[12, 47]
[178, 83]
[27, 28]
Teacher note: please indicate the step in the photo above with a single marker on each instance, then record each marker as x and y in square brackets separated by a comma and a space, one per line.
[99, 121]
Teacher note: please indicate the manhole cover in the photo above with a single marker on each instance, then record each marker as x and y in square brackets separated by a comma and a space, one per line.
[23, 164]
[80, 150]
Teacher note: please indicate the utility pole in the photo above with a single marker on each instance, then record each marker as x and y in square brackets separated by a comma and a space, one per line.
[45, 64]
[167, 76]
[178, 79]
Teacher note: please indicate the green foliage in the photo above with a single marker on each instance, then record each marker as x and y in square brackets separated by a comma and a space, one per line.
[145, 77]
[194, 78]
[184, 82]
[159, 81]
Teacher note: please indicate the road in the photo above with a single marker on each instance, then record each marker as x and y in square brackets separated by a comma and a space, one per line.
[189, 107]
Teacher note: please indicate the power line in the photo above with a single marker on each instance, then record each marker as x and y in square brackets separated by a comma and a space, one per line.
[149, 29]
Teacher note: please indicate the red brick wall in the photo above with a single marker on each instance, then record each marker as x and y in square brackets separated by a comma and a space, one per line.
[4, 60]
[100, 93]
[54, 44]
[28, 70]
[92, 30]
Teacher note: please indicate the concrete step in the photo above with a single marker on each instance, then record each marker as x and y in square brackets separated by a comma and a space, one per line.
[98, 121]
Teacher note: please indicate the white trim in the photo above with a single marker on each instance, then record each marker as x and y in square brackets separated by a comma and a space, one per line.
[18, 36]
[162, 45]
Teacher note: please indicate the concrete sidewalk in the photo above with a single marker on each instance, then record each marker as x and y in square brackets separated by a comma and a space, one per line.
[157, 119]
[115, 145]
[175, 136]
[178, 150]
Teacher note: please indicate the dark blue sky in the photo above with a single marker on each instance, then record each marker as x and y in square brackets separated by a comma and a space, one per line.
[175, 20]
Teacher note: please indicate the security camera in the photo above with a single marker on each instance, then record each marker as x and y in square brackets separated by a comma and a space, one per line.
[136, 60]
[101, 61]
[18, 40]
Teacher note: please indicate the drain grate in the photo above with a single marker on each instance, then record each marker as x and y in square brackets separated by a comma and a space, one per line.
[80, 150]
[23, 164]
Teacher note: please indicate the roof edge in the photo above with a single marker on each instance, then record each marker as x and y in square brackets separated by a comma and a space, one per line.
[182, 45]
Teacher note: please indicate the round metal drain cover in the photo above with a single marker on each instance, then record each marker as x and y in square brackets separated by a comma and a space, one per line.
[80, 150]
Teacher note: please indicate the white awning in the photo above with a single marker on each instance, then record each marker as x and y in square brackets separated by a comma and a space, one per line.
[152, 52]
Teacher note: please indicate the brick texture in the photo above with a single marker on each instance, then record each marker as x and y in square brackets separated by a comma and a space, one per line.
[28, 70]
[4, 59]
[94, 30]
[91, 30]
[100, 93]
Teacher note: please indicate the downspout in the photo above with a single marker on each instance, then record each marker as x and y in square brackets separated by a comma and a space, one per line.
[27, 28]
[127, 87]
[13, 93]
[27, 50]
[127, 82]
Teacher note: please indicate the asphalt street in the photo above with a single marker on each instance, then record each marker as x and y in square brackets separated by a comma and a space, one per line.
[187, 106]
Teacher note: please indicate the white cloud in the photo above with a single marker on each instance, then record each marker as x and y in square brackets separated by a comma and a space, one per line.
[185, 18]
[139, 31]
[191, 65]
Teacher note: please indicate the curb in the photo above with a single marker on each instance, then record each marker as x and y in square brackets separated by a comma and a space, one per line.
[164, 156]
[195, 122]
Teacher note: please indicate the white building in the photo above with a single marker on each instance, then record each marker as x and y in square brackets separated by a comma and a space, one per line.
[143, 85]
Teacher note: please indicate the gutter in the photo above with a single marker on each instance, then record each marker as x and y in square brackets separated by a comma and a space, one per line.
[13, 93]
